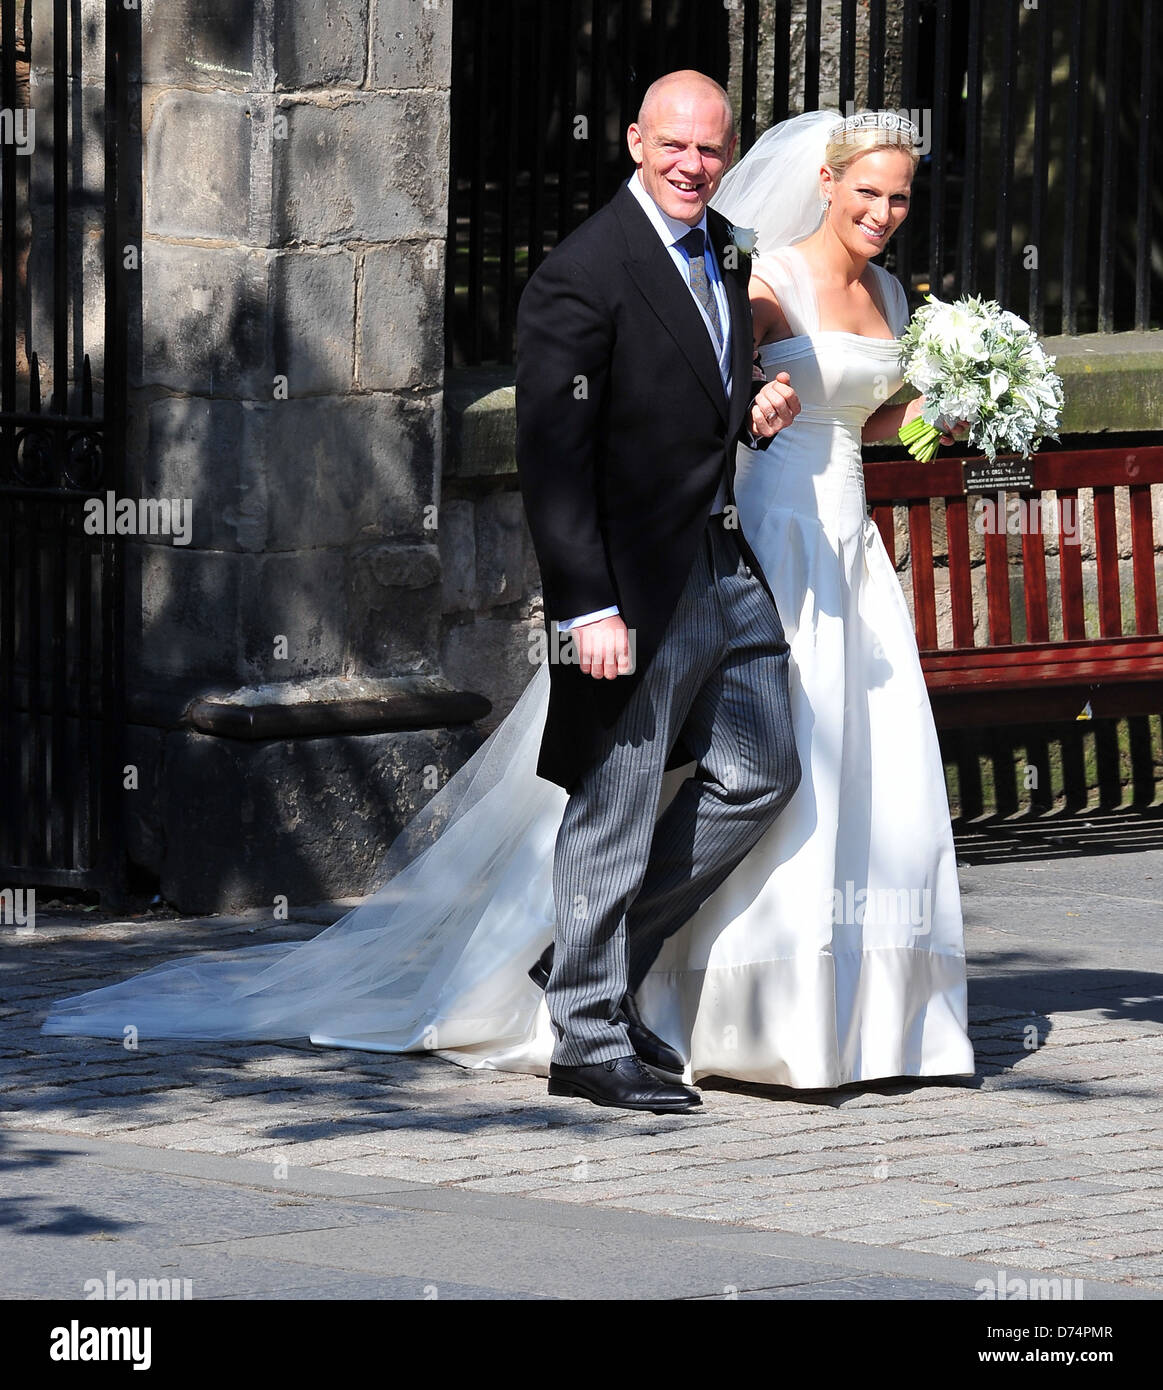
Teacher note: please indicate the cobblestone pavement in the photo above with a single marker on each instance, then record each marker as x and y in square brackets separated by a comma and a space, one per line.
[1050, 1158]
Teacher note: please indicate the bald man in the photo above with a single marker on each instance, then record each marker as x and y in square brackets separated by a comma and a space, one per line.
[634, 387]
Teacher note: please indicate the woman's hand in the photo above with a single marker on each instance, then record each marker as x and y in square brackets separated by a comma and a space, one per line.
[913, 410]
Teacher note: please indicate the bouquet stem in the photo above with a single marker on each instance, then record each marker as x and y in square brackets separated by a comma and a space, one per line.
[921, 439]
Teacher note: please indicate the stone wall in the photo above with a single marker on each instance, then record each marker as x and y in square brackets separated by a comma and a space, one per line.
[492, 587]
[288, 383]
[295, 197]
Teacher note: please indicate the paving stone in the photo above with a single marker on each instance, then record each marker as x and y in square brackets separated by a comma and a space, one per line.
[1052, 1261]
[225, 1143]
[1138, 1244]
[800, 1223]
[1042, 1152]
[733, 1213]
[954, 1223]
[666, 1203]
[1139, 1271]
[511, 1182]
[591, 1192]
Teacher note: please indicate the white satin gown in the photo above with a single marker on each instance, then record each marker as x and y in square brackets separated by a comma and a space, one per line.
[832, 954]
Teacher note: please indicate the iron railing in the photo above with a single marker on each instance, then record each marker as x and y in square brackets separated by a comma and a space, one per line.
[542, 93]
[1039, 187]
[62, 443]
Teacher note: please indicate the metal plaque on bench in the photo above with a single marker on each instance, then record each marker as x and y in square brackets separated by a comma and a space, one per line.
[979, 475]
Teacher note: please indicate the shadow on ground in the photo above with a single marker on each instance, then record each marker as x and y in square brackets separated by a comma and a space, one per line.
[1068, 835]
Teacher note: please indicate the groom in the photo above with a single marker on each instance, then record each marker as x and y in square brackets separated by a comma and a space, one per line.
[634, 384]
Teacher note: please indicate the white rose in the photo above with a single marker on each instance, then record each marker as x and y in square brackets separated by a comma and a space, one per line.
[746, 239]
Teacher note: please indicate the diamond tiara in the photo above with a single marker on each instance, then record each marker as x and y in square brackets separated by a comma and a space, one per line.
[877, 120]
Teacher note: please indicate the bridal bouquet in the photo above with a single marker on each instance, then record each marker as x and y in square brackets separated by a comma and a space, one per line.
[975, 361]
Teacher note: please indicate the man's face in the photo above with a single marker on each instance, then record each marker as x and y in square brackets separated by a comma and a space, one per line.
[682, 150]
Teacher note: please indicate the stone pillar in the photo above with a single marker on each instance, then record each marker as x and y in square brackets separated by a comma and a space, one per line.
[290, 708]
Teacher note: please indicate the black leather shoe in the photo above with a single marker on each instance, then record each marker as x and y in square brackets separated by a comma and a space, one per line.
[647, 1044]
[623, 1083]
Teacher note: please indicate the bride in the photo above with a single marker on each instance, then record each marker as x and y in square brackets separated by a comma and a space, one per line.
[834, 952]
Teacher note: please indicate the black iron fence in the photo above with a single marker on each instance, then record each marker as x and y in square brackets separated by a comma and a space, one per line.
[1041, 185]
[65, 184]
[542, 93]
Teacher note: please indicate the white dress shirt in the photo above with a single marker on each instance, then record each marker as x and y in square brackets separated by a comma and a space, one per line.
[671, 232]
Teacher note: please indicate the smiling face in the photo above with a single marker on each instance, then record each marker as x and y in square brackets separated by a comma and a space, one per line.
[682, 143]
[870, 201]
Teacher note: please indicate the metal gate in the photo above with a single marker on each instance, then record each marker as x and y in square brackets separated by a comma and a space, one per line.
[542, 93]
[65, 261]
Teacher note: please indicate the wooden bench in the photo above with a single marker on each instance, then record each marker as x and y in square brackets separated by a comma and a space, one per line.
[1110, 671]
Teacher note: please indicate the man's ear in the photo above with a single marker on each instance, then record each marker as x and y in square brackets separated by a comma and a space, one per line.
[634, 142]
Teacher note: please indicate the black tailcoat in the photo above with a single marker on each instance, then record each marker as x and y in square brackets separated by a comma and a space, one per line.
[623, 433]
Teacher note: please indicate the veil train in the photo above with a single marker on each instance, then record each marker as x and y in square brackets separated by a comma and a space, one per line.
[435, 957]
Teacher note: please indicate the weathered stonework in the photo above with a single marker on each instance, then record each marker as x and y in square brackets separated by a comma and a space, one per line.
[369, 167]
[401, 295]
[492, 586]
[295, 176]
[291, 818]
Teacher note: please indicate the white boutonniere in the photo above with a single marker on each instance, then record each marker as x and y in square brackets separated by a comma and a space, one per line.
[745, 240]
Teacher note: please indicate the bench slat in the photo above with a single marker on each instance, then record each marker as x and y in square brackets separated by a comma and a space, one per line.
[1106, 546]
[1143, 559]
[977, 707]
[960, 579]
[997, 585]
[1018, 666]
[1034, 581]
[921, 556]
[1070, 570]
[899, 480]
[883, 517]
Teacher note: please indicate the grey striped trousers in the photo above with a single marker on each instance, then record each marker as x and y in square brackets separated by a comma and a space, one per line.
[622, 883]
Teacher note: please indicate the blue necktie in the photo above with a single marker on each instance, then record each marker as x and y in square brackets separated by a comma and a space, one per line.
[694, 245]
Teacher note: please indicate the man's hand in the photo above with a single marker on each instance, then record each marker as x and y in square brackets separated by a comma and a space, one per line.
[774, 407]
[603, 648]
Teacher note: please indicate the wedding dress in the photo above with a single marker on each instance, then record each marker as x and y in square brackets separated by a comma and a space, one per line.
[832, 954]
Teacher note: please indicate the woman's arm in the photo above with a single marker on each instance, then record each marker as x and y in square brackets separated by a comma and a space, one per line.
[885, 422]
[767, 318]
[775, 405]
